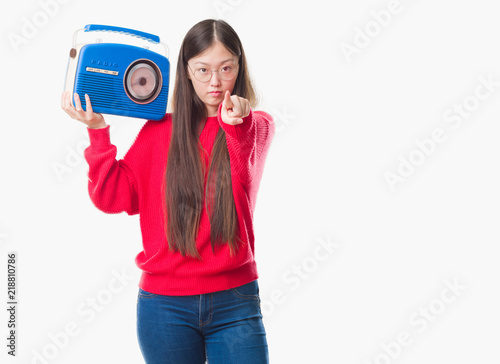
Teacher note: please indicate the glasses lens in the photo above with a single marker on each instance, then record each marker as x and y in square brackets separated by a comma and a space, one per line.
[202, 74]
[227, 73]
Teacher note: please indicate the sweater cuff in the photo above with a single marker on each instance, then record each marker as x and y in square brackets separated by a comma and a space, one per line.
[99, 138]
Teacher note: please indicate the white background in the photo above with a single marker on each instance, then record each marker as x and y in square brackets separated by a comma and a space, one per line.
[343, 123]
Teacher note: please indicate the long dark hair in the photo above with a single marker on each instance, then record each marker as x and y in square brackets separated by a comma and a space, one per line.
[184, 177]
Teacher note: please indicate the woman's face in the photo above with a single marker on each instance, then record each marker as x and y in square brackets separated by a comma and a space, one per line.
[213, 59]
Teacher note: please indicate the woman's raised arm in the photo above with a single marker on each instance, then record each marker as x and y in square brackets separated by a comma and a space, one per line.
[112, 184]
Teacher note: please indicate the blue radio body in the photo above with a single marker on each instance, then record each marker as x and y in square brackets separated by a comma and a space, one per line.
[120, 79]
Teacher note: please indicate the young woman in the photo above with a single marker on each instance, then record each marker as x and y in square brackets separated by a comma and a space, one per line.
[193, 177]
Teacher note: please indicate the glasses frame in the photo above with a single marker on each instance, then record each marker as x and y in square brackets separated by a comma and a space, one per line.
[212, 73]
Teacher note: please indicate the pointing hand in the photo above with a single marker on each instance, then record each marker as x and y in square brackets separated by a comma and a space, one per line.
[234, 109]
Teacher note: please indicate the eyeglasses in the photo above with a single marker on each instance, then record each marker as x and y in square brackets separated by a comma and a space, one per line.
[226, 73]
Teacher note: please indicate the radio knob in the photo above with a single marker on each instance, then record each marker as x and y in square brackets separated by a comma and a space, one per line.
[72, 53]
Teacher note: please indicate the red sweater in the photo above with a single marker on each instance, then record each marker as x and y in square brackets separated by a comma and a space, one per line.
[133, 185]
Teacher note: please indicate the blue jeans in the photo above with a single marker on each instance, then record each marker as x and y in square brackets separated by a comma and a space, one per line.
[220, 327]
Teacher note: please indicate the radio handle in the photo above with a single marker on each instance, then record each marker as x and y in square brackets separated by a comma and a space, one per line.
[127, 31]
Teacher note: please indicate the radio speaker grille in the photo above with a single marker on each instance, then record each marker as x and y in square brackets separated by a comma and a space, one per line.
[98, 88]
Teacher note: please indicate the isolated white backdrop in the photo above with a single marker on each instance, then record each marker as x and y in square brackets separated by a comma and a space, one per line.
[351, 270]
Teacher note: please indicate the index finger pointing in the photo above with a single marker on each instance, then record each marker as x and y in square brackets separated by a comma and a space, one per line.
[227, 100]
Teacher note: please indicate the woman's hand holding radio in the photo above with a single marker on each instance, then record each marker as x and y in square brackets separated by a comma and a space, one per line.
[234, 109]
[89, 118]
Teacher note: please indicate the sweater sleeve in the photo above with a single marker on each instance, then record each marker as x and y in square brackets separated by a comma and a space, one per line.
[247, 141]
[112, 184]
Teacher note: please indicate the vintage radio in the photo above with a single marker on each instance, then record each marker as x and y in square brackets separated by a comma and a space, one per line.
[120, 79]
